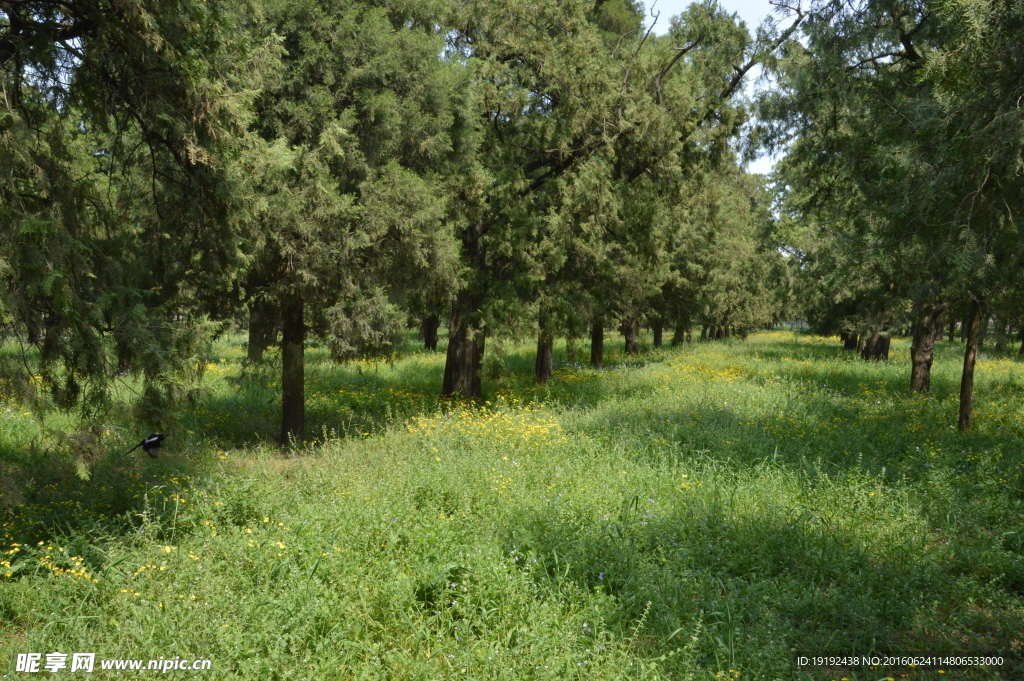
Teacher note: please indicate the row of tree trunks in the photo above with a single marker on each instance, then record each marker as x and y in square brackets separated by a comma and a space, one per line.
[428, 329]
[922, 350]
[597, 342]
[714, 332]
[293, 379]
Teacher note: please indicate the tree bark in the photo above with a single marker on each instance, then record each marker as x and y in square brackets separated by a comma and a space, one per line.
[952, 329]
[428, 328]
[465, 350]
[542, 368]
[972, 326]
[678, 335]
[922, 350]
[1001, 334]
[630, 328]
[466, 334]
[597, 342]
[293, 387]
[658, 330]
[262, 329]
[876, 346]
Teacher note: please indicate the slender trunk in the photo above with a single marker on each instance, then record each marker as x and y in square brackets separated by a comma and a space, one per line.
[922, 350]
[952, 329]
[630, 328]
[658, 330]
[465, 350]
[257, 333]
[937, 331]
[597, 342]
[964, 325]
[1021, 353]
[1001, 334]
[124, 354]
[542, 368]
[293, 389]
[973, 326]
[264, 320]
[703, 333]
[428, 329]
[678, 335]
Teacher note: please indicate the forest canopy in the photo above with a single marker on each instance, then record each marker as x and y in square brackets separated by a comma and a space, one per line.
[338, 172]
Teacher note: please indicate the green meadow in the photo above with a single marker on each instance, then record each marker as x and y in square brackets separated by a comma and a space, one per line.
[711, 511]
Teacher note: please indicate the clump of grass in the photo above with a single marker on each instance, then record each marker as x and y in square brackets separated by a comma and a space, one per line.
[710, 514]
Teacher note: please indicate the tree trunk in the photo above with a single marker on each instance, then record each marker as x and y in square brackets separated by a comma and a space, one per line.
[428, 329]
[1021, 353]
[465, 350]
[703, 333]
[658, 330]
[1001, 334]
[542, 368]
[937, 331]
[952, 329]
[262, 329]
[850, 342]
[630, 328]
[293, 388]
[876, 346]
[466, 334]
[964, 325]
[678, 335]
[597, 342]
[922, 350]
[973, 326]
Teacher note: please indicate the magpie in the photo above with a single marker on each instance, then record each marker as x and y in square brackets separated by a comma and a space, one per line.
[149, 444]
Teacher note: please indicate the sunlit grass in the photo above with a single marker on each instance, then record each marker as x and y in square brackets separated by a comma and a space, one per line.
[709, 512]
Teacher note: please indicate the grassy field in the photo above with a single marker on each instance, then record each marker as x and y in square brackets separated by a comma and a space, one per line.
[707, 512]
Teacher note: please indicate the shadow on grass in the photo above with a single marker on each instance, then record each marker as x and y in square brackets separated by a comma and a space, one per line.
[359, 398]
[765, 585]
[59, 499]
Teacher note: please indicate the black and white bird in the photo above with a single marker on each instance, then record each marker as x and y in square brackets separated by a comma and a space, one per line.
[150, 443]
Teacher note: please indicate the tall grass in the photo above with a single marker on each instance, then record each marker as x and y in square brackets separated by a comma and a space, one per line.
[707, 512]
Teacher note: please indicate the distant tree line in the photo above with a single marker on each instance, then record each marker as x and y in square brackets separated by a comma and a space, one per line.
[343, 170]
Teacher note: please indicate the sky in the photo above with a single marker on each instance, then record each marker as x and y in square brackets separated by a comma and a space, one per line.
[750, 11]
